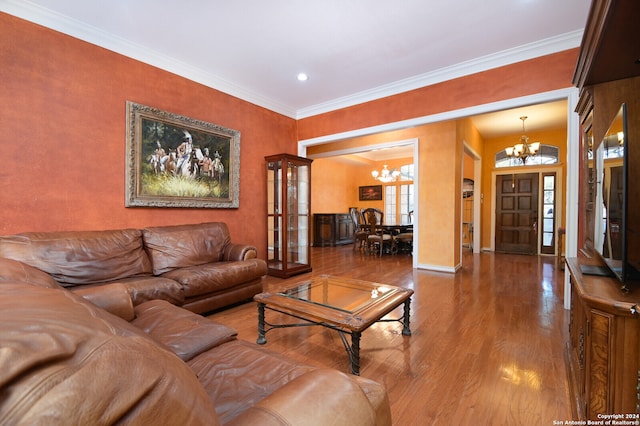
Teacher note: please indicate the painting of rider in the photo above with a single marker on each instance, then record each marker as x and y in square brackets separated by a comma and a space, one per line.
[180, 162]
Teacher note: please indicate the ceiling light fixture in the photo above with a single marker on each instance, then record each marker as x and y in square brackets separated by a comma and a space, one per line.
[385, 175]
[524, 149]
[302, 77]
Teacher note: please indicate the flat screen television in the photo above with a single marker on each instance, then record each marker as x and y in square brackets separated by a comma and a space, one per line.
[616, 212]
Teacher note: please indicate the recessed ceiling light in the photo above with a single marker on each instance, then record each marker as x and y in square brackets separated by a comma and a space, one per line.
[302, 77]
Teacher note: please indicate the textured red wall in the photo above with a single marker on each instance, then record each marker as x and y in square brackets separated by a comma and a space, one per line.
[537, 75]
[62, 134]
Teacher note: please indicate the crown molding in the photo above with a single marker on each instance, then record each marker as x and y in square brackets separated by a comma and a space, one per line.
[80, 30]
[518, 54]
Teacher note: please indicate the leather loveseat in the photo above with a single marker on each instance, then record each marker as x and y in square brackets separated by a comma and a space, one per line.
[65, 360]
[195, 266]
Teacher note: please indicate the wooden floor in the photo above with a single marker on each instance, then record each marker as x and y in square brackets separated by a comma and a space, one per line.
[487, 343]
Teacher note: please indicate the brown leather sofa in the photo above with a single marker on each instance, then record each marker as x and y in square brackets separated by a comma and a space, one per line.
[65, 360]
[195, 266]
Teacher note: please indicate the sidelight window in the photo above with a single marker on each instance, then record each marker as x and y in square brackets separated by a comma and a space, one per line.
[548, 213]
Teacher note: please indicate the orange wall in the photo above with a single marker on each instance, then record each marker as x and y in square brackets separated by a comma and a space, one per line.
[63, 136]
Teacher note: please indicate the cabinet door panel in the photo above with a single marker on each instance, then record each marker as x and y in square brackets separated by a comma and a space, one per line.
[599, 363]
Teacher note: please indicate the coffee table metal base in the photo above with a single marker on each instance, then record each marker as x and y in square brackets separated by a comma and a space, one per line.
[353, 349]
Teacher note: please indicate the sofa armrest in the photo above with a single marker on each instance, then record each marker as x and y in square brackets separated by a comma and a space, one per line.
[186, 334]
[113, 298]
[323, 395]
[240, 252]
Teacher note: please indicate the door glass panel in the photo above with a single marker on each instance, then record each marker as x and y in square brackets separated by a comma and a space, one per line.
[549, 214]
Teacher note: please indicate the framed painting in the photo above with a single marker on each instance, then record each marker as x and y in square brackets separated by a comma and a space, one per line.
[176, 161]
[370, 193]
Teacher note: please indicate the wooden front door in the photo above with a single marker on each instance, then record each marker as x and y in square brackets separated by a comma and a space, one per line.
[517, 213]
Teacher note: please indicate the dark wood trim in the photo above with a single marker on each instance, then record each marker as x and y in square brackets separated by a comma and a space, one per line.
[609, 49]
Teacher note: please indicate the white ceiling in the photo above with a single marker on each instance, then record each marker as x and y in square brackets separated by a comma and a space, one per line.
[352, 50]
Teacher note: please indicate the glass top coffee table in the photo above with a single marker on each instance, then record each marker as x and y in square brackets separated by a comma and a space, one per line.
[346, 305]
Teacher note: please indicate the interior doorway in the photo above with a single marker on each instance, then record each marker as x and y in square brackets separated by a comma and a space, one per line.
[471, 199]
[517, 213]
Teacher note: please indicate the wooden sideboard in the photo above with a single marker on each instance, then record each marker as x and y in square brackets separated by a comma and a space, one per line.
[603, 352]
[332, 229]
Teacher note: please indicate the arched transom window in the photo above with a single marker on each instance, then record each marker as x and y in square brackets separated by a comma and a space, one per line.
[547, 154]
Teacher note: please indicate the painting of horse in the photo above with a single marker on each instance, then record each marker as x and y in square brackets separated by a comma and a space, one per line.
[175, 161]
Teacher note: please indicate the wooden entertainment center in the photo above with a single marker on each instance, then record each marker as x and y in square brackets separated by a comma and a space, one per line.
[603, 349]
[603, 352]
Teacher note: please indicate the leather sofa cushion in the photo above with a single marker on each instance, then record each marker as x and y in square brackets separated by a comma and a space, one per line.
[113, 298]
[218, 276]
[147, 288]
[80, 257]
[13, 270]
[65, 361]
[185, 333]
[172, 247]
[239, 374]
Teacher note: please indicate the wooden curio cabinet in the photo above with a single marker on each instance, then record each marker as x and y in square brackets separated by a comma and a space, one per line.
[288, 214]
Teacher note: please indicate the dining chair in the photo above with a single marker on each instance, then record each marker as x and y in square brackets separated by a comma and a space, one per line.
[405, 239]
[360, 229]
[377, 238]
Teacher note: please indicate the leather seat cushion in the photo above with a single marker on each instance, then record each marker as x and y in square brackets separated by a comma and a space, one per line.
[147, 288]
[238, 374]
[185, 333]
[218, 276]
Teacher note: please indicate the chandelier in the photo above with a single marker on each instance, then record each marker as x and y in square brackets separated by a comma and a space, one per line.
[524, 149]
[385, 175]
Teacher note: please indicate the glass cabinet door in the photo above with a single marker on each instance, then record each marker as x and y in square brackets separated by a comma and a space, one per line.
[288, 214]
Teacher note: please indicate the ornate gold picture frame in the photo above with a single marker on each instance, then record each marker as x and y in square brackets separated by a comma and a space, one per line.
[176, 161]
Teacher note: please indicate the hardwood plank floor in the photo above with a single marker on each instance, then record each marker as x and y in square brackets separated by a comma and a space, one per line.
[487, 343]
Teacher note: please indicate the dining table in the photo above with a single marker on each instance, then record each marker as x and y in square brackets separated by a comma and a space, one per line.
[397, 229]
